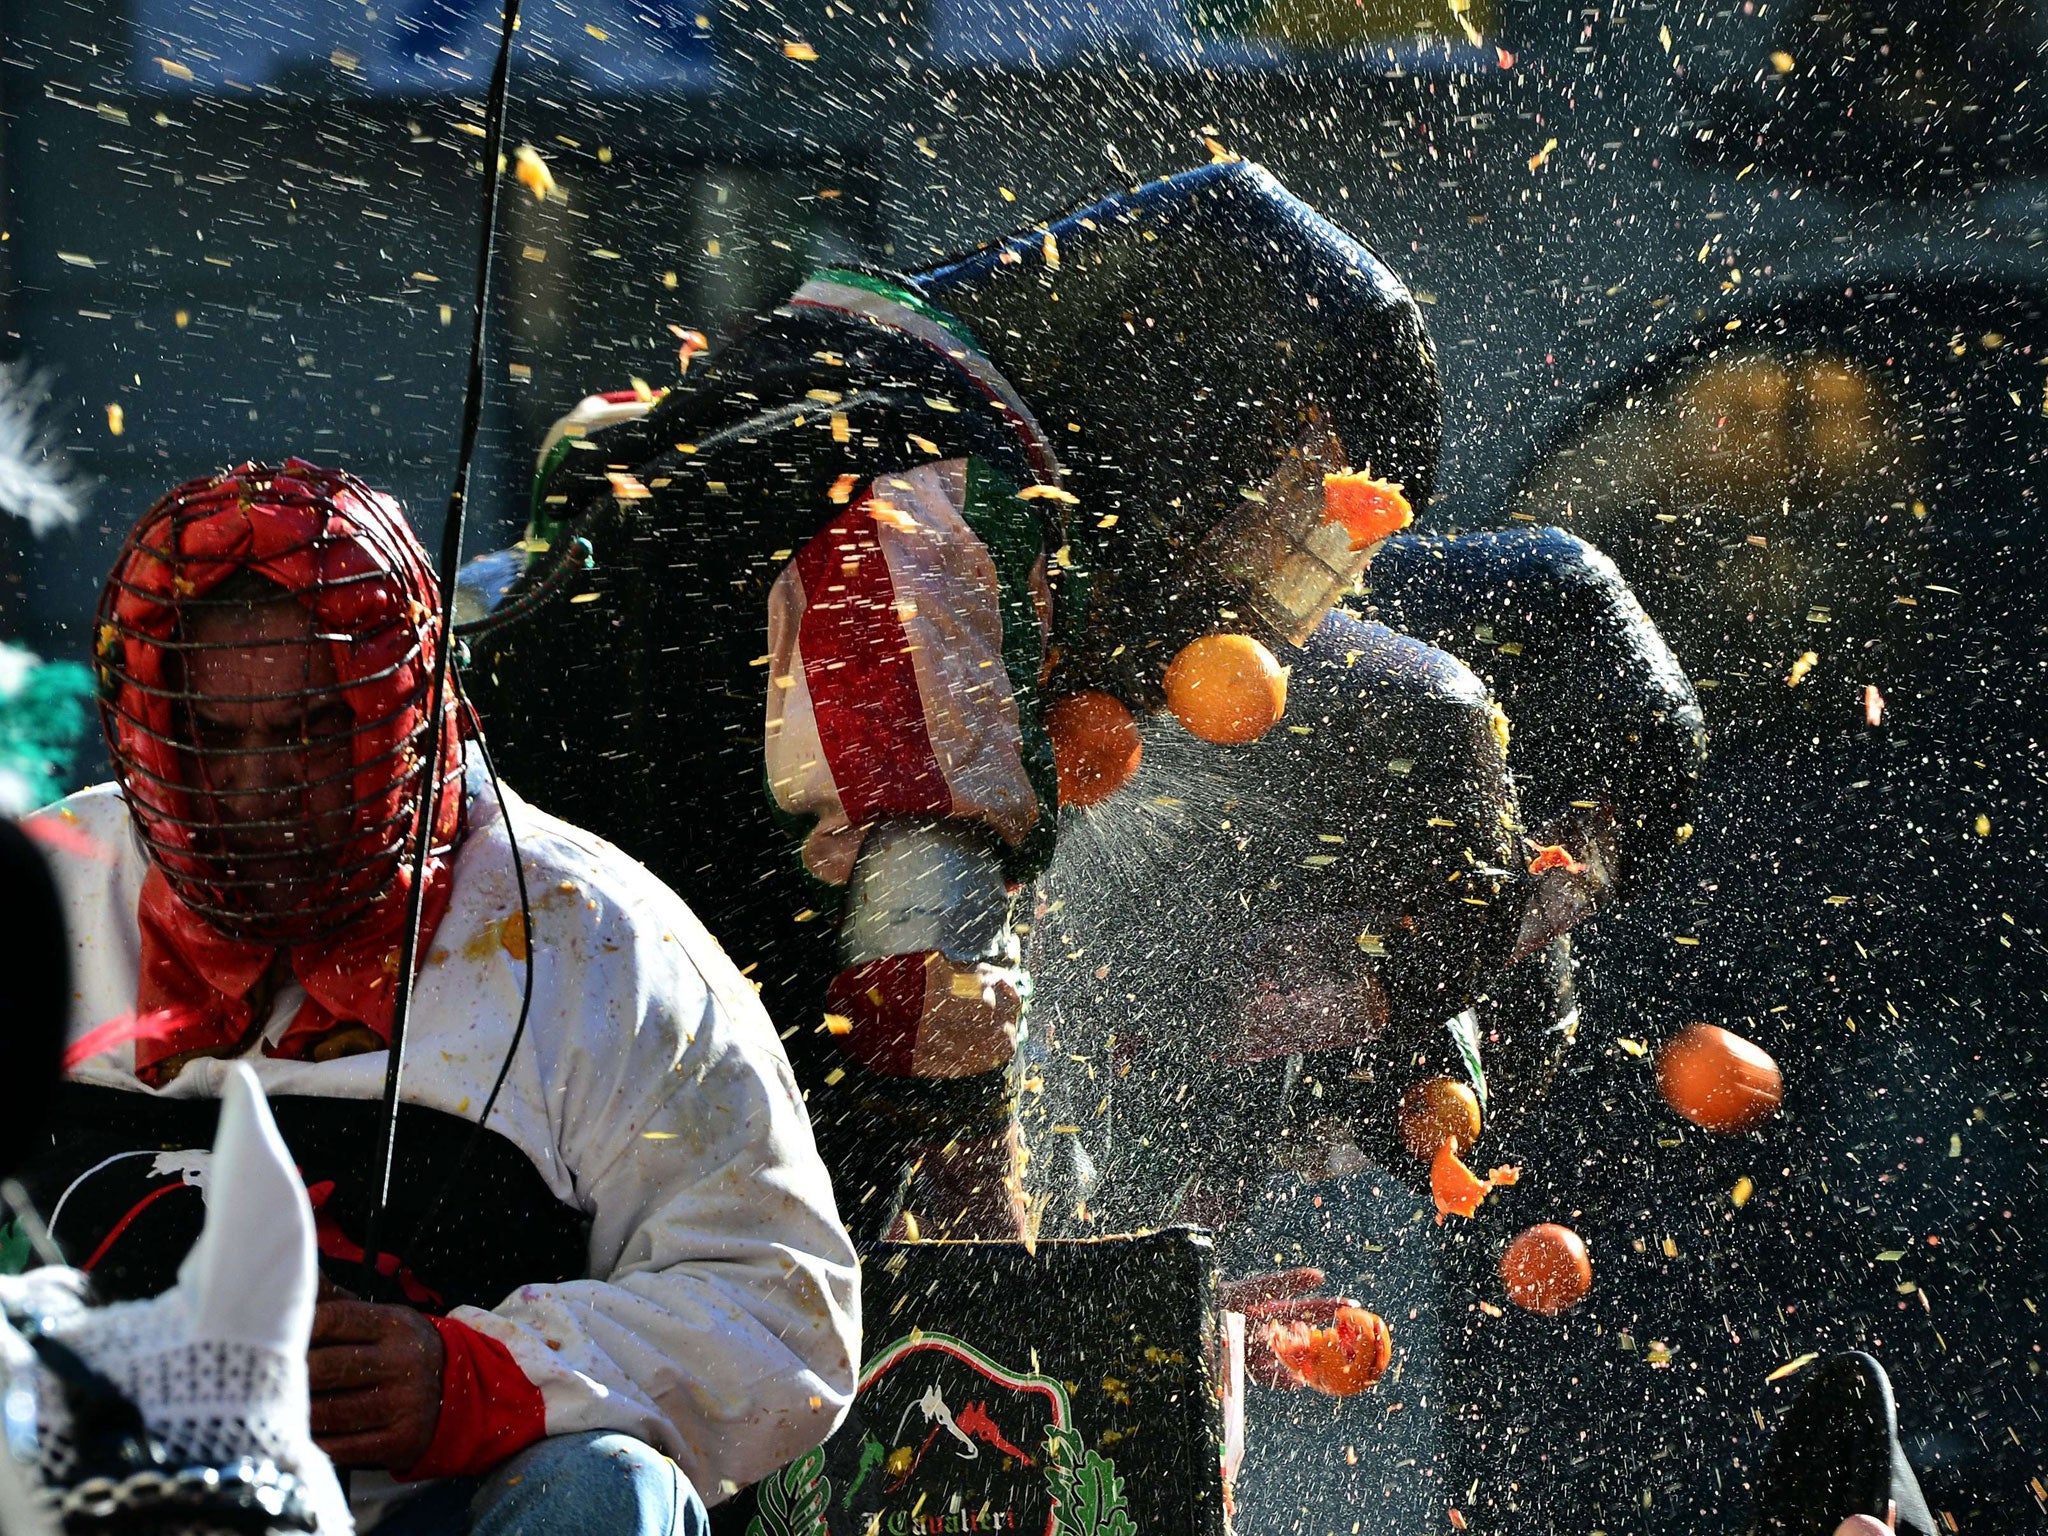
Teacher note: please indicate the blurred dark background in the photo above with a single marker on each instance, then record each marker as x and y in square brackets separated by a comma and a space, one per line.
[1749, 294]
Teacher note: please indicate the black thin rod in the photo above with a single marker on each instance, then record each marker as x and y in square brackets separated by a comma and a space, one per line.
[451, 566]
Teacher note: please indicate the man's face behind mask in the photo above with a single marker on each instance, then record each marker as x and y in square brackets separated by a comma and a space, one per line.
[265, 749]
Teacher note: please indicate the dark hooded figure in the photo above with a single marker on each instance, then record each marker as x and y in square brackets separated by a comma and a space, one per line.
[821, 594]
[1244, 960]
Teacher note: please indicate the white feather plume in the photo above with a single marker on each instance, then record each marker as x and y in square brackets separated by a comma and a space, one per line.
[36, 485]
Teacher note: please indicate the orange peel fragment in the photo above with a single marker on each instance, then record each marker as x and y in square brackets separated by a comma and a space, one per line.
[1368, 509]
[1555, 856]
[1456, 1189]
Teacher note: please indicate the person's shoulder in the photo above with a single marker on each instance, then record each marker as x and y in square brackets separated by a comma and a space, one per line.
[563, 860]
[611, 908]
[89, 829]
[96, 803]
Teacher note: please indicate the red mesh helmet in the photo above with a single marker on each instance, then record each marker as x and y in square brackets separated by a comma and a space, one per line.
[292, 838]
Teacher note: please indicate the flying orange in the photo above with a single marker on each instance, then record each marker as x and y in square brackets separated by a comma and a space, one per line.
[1718, 1080]
[1228, 689]
[1546, 1269]
[1095, 746]
[1436, 1110]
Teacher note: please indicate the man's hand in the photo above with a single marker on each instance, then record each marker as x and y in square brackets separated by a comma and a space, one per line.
[375, 1372]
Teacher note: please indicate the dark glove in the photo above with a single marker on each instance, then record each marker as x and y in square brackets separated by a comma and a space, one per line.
[1608, 738]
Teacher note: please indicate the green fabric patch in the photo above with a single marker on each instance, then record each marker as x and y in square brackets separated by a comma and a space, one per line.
[542, 526]
[896, 293]
[1011, 530]
[15, 1249]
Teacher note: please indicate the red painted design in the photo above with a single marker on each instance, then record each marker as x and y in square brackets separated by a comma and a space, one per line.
[122, 1225]
[974, 1420]
[863, 686]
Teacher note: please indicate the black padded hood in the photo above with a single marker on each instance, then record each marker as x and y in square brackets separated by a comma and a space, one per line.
[1175, 342]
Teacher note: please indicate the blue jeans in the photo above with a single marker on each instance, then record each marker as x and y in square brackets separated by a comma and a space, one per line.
[566, 1485]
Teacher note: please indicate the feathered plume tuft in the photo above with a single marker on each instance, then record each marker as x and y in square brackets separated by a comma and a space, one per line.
[36, 485]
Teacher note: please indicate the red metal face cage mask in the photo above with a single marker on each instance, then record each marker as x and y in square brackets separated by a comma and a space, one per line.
[331, 812]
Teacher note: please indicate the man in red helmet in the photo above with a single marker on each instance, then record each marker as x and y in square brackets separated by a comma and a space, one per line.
[611, 1285]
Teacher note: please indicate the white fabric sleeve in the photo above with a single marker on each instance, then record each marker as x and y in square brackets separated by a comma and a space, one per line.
[724, 1328]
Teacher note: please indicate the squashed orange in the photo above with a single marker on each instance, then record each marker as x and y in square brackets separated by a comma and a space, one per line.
[1342, 1359]
[1456, 1189]
[1368, 509]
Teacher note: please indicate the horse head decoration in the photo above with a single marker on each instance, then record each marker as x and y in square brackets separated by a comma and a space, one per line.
[186, 1413]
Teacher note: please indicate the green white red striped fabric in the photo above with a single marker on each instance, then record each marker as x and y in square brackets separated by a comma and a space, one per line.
[887, 690]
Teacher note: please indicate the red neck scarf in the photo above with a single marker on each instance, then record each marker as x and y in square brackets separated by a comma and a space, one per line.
[203, 979]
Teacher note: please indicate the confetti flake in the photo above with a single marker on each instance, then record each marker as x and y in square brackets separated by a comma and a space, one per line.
[802, 52]
[1791, 1367]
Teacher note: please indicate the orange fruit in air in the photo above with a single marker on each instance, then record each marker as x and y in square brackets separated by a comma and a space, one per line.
[1437, 1110]
[1095, 746]
[1342, 1359]
[1368, 509]
[1718, 1080]
[1228, 689]
[1546, 1269]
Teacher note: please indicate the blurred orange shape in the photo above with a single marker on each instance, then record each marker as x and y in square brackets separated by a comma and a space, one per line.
[1368, 509]
[1340, 1360]
[1095, 746]
[1718, 1080]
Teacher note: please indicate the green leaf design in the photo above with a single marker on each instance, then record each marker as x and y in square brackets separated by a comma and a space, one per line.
[792, 1502]
[1088, 1496]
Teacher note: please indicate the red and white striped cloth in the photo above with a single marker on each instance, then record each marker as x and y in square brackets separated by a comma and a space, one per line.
[887, 689]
